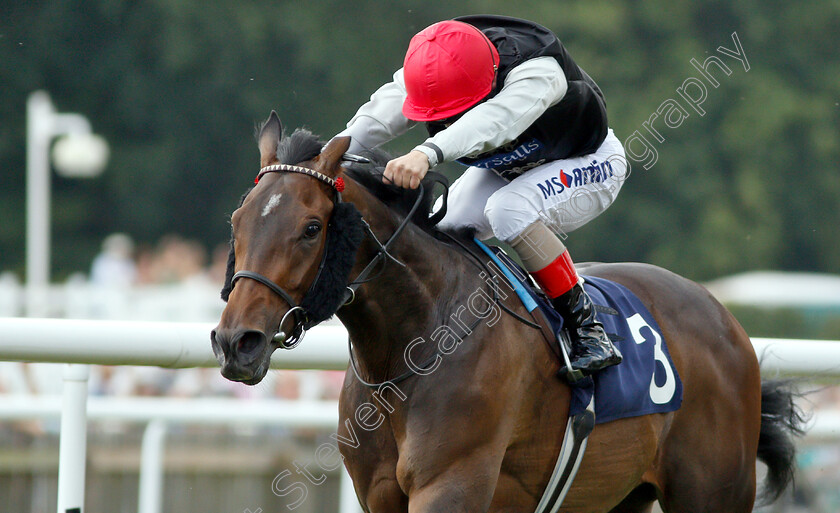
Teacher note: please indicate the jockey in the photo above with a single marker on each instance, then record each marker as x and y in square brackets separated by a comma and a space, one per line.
[502, 96]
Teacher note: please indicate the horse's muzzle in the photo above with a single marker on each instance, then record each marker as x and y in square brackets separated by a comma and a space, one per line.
[241, 354]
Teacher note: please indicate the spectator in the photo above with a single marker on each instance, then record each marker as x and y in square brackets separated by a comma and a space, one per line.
[114, 266]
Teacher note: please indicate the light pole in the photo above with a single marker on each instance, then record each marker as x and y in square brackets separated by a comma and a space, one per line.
[81, 154]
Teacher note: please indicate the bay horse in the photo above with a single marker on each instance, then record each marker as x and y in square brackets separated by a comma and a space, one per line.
[477, 426]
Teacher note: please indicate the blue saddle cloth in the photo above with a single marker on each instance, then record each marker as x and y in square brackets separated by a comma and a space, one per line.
[646, 381]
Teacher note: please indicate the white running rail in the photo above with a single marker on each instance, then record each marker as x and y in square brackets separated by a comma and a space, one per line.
[181, 345]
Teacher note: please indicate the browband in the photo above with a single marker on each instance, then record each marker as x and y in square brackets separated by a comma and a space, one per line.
[335, 183]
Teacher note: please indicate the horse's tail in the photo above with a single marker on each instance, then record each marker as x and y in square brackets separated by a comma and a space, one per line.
[781, 421]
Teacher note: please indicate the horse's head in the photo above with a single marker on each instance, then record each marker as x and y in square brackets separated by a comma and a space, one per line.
[293, 245]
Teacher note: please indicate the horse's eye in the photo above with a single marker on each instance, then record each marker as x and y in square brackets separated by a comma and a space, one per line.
[312, 230]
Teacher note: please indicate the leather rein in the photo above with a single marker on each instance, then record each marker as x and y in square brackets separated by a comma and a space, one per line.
[299, 315]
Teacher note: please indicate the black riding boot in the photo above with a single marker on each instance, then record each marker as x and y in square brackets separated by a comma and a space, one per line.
[592, 349]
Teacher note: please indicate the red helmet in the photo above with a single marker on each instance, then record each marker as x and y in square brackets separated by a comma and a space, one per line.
[448, 68]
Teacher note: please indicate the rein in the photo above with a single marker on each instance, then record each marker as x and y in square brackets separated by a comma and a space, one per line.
[300, 315]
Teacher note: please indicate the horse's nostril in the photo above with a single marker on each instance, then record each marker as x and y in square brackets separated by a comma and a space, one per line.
[250, 342]
[219, 345]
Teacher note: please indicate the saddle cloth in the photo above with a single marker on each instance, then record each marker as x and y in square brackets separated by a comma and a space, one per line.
[646, 381]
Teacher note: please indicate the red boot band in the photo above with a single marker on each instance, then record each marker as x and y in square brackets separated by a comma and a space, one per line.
[558, 277]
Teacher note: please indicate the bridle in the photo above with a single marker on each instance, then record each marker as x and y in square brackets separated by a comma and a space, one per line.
[298, 313]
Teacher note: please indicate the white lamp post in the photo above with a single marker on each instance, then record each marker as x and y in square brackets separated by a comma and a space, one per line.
[81, 154]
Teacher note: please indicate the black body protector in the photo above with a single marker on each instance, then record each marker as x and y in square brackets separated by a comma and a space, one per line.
[575, 126]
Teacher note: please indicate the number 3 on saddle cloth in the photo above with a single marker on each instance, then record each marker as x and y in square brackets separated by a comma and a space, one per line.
[645, 381]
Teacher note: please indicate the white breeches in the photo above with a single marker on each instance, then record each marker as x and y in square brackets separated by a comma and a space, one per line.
[565, 194]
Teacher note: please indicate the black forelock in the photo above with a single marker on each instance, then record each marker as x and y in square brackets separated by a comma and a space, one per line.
[299, 147]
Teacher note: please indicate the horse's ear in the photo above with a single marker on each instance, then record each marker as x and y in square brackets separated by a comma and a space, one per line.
[330, 157]
[270, 134]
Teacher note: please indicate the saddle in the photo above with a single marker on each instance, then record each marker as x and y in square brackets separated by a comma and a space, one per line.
[645, 381]
[550, 322]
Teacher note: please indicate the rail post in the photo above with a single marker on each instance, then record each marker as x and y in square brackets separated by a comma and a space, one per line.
[150, 495]
[73, 439]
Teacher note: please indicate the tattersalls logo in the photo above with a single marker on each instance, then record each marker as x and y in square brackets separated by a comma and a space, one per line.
[512, 159]
[595, 172]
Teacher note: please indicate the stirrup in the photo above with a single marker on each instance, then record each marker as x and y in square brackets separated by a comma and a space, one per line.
[567, 372]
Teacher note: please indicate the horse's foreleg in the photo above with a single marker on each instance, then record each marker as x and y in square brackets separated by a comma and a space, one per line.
[384, 496]
[466, 486]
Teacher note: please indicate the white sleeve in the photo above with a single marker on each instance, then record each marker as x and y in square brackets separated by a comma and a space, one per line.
[529, 90]
[380, 119]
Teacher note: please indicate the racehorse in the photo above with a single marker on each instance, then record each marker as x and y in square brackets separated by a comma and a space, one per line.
[476, 423]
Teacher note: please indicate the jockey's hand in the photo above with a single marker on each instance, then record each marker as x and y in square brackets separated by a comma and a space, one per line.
[407, 171]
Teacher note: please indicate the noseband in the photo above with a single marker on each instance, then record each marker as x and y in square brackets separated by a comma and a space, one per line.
[300, 315]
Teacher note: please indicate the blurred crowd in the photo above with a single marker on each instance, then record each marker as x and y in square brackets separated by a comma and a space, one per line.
[173, 259]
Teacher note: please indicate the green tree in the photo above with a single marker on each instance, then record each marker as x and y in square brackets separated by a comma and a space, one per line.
[176, 87]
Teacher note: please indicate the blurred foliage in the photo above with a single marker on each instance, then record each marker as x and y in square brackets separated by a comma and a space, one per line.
[799, 323]
[176, 86]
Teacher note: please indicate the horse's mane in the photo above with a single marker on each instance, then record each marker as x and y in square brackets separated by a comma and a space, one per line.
[303, 145]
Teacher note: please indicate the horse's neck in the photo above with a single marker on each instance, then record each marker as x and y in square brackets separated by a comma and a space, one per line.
[401, 303]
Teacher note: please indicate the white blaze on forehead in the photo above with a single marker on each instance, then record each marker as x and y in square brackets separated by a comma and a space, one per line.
[273, 201]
